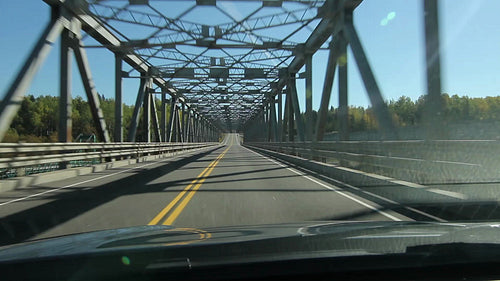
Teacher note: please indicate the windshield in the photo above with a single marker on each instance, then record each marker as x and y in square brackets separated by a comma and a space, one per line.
[211, 114]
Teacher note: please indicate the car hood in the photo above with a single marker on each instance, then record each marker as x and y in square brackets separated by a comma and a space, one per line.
[331, 238]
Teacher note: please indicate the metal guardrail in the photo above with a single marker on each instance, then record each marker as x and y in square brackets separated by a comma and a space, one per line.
[39, 156]
[441, 161]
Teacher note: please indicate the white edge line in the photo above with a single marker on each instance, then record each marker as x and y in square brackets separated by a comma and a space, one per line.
[359, 189]
[332, 189]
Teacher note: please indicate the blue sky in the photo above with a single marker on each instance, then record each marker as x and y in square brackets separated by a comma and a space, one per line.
[391, 32]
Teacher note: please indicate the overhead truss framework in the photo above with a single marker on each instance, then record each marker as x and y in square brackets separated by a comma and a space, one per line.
[225, 64]
[223, 57]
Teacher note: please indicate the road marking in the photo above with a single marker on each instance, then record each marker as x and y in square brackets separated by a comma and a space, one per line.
[197, 182]
[173, 216]
[341, 192]
[85, 181]
[367, 192]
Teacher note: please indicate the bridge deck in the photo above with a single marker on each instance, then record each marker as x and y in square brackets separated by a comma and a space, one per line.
[242, 188]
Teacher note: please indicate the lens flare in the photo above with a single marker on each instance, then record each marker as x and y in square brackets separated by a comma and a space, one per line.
[125, 260]
[391, 15]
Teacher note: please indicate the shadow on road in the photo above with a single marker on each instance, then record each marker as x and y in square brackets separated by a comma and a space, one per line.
[64, 206]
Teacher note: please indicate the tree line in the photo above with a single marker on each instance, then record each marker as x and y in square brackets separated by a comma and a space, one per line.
[37, 120]
[408, 112]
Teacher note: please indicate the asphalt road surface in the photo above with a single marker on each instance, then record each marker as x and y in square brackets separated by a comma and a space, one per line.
[223, 186]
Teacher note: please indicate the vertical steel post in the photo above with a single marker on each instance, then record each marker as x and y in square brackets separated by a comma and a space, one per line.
[146, 114]
[309, 95]
[188, 125]
[178, 130]
[195, 127]
[285, 118]
[343, 113]
[154, 116]
[433, 117]
[118, 136]
[291, 114]
[65, 132]
[279, 129]
[183, 122]
[296, 108]
[202, 129]
[272, 120]
[163, 119]
[267, 120]
[171, 120]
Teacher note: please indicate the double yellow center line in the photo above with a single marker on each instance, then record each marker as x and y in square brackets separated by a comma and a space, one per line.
[169, 214]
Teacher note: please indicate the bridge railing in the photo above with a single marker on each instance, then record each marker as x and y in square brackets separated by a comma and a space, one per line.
[17, 158]
[426, 162]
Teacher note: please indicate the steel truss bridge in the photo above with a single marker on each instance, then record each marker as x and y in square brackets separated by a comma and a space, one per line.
[226, 73]
[225, 68]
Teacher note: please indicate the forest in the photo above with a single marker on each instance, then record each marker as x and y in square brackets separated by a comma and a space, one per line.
[37, 120]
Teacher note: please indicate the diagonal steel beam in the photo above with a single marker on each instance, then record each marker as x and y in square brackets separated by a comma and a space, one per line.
[379, 106]
[11, 102]
[134, 122]
[92, 95]
[327, 88]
